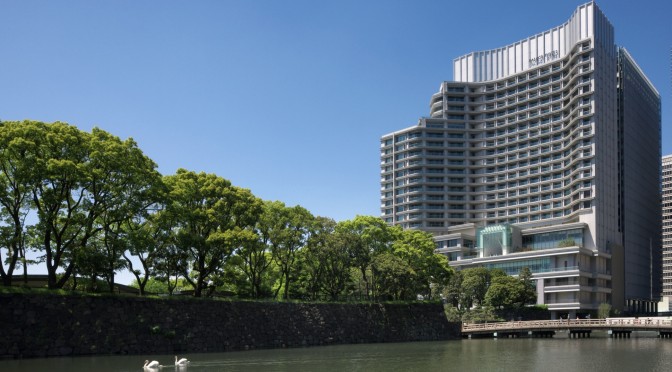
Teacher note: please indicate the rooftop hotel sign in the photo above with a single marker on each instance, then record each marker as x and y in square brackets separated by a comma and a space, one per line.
[547, 57]
[545, 47]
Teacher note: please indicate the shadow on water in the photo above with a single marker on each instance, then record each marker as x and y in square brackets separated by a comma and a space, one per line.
[643, 352]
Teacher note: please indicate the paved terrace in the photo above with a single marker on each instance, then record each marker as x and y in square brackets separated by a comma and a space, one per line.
[616, 327]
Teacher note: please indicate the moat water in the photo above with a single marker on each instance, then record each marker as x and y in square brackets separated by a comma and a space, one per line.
[642, 352]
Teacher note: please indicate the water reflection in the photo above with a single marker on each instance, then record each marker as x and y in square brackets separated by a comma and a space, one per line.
[599, 353]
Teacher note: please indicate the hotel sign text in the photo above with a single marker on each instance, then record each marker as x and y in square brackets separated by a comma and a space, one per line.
[544, 58]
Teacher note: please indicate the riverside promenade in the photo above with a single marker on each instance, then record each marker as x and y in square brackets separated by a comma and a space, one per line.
[577, 328]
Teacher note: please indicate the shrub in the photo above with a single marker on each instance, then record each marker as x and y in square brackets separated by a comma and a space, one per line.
[603, 311]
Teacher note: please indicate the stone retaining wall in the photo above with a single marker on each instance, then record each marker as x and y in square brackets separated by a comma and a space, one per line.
[52, 325]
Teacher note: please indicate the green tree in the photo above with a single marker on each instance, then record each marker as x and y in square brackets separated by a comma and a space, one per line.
[474, 286]
[370, 236]
[336, 266]
[452, 313]
[603, 310]
[100, 258]
[506, 292]
[494, 273]
[78, 185]
[149, 239]
[253, 255]
[426, 268]
[169, 265]
[452, 292]
[325, 261]
[212, 218]
[309, 263]
[254, 260]
[17, 156]
[123, 185]
[480, 315]
[288, 229]
[60, 196]
[529, 294]
[440, 274]
[394, 277]
[156, 286]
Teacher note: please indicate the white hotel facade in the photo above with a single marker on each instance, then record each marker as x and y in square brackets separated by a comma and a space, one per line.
[543, 154]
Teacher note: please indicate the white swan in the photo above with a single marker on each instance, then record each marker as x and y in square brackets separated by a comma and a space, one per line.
[151, 365]
[181, 362]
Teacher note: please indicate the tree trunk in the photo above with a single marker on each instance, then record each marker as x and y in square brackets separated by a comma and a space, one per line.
[286, 295]
[6, 279]
[24, 262]
[110, 282]
[66, 275]
[198, 289]
[74, 281]
[366, 282]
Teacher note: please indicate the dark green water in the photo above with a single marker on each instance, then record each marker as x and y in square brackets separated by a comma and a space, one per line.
[641, 353]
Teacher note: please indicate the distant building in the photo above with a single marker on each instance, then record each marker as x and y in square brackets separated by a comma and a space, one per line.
[667, 225]
[544, 153]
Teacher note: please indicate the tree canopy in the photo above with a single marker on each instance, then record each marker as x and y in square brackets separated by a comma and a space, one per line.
[89, 204]
[78, 189]
[488, 290]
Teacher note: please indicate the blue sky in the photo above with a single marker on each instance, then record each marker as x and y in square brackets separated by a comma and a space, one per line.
[286, 98]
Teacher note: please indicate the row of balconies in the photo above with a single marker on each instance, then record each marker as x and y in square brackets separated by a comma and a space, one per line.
[543, 200]
[484, 193]
[545, 97]
[521, 188]
[536, 202]
[519, 92]
[570, 114]
[565, 153]
[432, 213]
[511, 162]
[575, 62]
[522, 191]
[528, 168]
[522, 149]
[541, 171]
[515, 117]
[528, 99]
[509, 182]
[574, 113]
[460, 218]
[527, 138]
[521, 113]
[512, 102]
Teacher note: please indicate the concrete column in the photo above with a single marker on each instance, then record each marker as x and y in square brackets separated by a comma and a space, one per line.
[541, 295]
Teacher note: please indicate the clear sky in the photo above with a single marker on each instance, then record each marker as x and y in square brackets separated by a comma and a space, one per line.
[286, 98]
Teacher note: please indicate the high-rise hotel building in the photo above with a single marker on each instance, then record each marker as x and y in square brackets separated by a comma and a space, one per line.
[544, 153]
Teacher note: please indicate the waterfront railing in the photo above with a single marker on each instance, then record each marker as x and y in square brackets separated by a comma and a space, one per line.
[609, 323]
